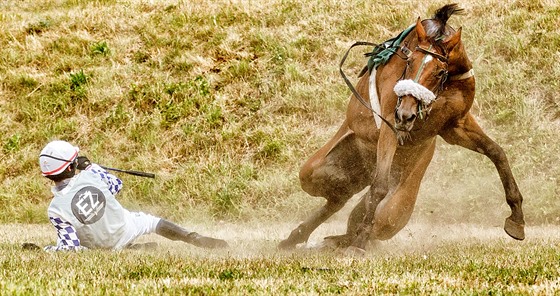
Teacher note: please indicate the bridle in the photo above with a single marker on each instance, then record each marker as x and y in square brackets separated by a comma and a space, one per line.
[407, 53]
[424, 107]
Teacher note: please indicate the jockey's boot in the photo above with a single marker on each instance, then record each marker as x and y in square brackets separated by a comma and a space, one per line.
[175, 232]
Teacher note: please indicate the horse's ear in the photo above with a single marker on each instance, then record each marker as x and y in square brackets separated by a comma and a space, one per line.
[452, 41]
[420, 31]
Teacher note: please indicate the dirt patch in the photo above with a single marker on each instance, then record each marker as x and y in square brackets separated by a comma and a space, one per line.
[260, 238]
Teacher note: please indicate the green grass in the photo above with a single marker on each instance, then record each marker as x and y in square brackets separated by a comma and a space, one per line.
[201, 93]
[224, 101]
[451, 261]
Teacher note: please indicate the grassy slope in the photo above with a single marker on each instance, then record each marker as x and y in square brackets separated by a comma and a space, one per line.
[224, 100]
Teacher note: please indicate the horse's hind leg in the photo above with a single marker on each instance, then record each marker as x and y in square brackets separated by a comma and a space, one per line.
[303, 231]
[354, 220]
[468, 134]
[336, 172]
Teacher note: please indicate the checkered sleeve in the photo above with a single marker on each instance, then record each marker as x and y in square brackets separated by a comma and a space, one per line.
[115, 184]
[67, 237]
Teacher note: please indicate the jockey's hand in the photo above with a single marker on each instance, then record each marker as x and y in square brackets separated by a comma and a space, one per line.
[30, 246]
[83, 163]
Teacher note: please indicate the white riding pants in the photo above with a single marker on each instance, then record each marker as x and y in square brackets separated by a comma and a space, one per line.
[137, 224]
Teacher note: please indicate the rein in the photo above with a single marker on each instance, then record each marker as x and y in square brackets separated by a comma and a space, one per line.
[393, 48]
[353, 90]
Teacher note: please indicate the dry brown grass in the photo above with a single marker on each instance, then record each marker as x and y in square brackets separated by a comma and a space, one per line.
[263, 75]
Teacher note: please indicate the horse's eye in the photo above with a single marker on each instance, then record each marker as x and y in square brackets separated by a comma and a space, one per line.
[441, 73]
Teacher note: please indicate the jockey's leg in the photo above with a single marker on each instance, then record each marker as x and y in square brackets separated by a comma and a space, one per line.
[175, 232]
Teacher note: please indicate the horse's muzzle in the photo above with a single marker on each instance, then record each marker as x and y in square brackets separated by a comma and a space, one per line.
[406, 113]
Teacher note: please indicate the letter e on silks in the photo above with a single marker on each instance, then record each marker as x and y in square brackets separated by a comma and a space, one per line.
[88, 205]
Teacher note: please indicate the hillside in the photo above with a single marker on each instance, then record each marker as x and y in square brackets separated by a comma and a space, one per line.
[224, 100]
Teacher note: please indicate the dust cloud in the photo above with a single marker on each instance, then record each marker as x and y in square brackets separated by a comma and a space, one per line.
[258, 239]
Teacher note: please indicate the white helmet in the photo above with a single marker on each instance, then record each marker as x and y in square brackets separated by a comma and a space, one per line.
[56, 157]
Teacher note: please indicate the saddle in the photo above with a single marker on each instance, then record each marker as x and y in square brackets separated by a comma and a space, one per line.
[381, 53]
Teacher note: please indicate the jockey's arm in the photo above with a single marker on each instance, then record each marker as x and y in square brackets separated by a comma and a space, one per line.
[67, 237]
[115, 184]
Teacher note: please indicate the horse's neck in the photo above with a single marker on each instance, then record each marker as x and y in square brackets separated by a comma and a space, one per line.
[460, 64]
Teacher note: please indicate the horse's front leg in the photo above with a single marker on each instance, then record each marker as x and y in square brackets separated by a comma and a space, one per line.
[467, 133]
[394, 211]
[386, 147]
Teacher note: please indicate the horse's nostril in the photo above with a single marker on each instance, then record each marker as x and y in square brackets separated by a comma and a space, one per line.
[411, 118]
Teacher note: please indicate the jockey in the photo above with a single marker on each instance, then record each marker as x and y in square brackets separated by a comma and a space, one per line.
[86, 213]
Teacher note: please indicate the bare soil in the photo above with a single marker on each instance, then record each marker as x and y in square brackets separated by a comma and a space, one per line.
[260, 238]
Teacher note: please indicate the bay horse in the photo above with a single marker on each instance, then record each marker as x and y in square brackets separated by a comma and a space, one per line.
[425, 89]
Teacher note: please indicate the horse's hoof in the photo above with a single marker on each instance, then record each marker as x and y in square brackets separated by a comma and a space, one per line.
[354, 252]
[143, 246]
[286, 245]
[514, 229]
[325, 245]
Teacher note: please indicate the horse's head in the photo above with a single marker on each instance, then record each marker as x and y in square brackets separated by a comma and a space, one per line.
[426, 71]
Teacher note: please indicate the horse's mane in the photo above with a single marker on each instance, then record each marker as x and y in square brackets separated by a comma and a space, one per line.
[436, 27]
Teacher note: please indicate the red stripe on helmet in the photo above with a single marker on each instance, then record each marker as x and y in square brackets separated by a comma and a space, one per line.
[63, 166]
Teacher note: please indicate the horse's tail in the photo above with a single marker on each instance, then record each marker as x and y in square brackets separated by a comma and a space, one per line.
[444, 13]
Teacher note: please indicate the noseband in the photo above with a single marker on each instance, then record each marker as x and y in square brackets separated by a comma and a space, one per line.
[381, 54]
